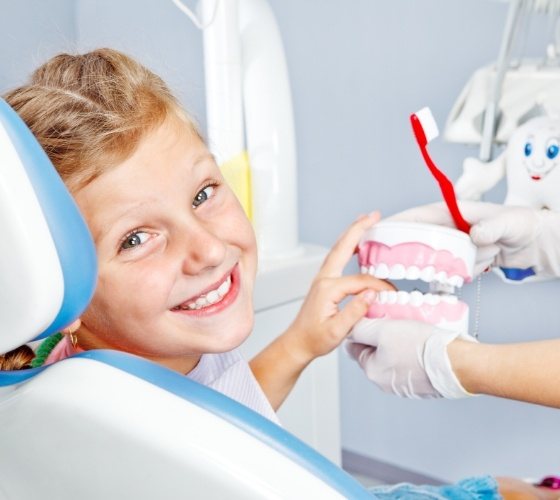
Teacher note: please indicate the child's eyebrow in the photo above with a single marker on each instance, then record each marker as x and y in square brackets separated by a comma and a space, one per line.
[131, 208]
[102, 227]
[204, 157]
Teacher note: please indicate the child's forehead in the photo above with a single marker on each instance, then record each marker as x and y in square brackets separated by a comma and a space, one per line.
[169, 144]
[167, 161]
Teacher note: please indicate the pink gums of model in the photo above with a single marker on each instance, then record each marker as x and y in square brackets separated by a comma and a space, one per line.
[443, 257]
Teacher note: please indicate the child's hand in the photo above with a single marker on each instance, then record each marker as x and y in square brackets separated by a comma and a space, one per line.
[321, 324]
[515, 489]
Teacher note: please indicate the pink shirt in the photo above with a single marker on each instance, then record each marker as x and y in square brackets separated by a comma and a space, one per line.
[62, 350]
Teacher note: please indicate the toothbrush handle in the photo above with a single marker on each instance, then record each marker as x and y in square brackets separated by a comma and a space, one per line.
[445, 185]
[448, 192]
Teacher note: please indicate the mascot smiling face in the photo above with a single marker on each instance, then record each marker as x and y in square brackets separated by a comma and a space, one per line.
[529, 162]
[532, 158]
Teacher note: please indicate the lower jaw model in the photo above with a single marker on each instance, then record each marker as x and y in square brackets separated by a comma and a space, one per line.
[442, 257]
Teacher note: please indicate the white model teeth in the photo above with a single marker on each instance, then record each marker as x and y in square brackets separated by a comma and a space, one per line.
[402, 297]
[427, 274]
[414, 298]
[456, 281]
[399, 272]
[382, 271]
[431, 299]
[412, 273]
[441, 277]
[211, 297]
[450, 299]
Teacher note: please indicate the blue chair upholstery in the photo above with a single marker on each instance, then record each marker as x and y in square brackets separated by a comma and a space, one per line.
[75, 250]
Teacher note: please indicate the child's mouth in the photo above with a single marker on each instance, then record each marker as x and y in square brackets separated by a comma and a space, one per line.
[214, 299]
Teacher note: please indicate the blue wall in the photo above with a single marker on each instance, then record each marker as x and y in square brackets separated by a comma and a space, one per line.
[31, 31]
[358, 69]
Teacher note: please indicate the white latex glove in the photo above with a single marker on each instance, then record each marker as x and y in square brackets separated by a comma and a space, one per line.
[526, 237]
[406, 358]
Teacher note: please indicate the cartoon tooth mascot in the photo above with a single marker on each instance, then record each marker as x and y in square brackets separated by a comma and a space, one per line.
[530, 163]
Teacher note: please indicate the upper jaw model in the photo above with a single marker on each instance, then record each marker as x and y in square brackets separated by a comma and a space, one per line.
[440, 256]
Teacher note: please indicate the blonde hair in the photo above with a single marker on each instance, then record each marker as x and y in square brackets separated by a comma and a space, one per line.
[89, 112]
[17, 359]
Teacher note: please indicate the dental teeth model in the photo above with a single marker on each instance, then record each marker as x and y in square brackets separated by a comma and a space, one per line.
[440, 256]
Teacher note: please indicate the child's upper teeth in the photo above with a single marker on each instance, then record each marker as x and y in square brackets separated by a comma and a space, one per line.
[211, 297]
[224, 287]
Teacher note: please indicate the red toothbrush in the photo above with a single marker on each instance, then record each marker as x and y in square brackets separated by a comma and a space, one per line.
[425, 130]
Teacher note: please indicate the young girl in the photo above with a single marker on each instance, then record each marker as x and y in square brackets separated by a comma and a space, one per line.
[177, 256]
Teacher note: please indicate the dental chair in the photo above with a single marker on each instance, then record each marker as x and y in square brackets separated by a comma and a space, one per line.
[105, 424]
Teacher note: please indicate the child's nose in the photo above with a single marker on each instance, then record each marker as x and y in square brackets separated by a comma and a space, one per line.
[204, 249]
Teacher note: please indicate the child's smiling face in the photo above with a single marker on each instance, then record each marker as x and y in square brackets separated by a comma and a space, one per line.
[177, 255]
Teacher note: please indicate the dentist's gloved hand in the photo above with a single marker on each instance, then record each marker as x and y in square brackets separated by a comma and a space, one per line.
[506, 236]
[527, 238]
[406, 358]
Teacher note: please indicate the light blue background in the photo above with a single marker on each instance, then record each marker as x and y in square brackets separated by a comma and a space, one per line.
[358, 68]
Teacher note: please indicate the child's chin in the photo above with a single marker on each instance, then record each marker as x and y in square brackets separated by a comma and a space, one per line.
[236, 340]
[232, 339]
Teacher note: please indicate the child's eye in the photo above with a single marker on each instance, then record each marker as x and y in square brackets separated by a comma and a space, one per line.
[134, 239]
[203, 195]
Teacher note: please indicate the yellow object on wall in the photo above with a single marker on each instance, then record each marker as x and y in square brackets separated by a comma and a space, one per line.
[237, 174]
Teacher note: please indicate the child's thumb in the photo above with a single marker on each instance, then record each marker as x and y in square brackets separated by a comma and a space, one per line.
[354, 311]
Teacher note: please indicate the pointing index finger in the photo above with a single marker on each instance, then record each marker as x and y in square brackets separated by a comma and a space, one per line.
[345, 246]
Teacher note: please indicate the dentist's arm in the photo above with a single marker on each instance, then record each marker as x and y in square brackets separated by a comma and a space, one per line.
[525, 372]
[414, 359]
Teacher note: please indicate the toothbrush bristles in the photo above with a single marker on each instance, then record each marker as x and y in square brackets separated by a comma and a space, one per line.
[428, 123]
